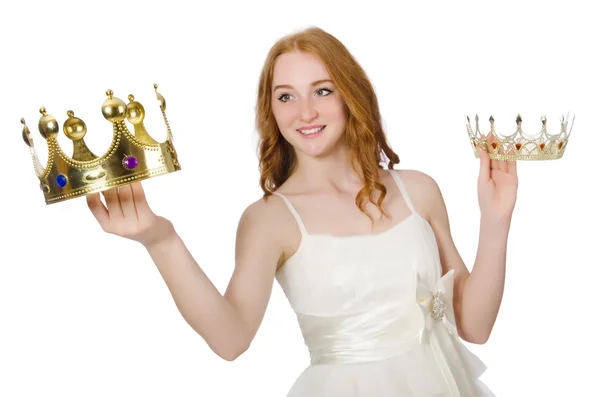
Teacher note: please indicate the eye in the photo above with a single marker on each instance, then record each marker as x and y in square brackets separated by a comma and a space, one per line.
[324, 91]
[284, 97]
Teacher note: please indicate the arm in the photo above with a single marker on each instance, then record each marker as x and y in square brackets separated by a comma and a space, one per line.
[484, 287]
[477, 295]
[228, 322]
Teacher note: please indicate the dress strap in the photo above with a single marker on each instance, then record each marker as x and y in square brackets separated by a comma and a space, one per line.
[402, 188]
[294, 212]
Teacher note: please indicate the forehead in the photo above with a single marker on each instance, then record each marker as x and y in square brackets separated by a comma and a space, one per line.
[298, 68]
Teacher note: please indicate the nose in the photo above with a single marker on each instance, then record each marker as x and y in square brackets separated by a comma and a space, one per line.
[308, 111]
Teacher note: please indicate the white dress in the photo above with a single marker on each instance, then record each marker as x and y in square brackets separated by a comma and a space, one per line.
[376, 315]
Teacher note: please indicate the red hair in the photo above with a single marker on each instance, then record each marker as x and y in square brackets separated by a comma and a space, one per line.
[364, 131]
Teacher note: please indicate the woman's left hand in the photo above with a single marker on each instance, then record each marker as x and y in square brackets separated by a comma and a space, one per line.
[497, 188]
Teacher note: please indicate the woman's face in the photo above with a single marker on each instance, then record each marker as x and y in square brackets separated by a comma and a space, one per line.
[307, 107]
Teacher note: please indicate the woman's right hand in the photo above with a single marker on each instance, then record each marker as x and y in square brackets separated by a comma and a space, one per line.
[127, 214]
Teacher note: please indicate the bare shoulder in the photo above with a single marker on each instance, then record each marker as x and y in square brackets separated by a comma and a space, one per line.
[417, 178]
[263, 213]
[268, 222]
[423, 191]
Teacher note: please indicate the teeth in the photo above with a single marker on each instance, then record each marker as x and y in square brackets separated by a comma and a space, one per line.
[312, 131]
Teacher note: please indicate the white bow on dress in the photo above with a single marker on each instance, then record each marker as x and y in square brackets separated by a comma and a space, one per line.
[436, 304]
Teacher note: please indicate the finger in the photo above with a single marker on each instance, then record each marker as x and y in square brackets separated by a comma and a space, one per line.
[126, 200]
[512, 167]
[98, 209]
[139, 198]
[112, 203]
[484, 165]
[494, 164]
[499, 165]
[493, 143]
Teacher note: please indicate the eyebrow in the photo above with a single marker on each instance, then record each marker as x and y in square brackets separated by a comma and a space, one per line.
[313, 84]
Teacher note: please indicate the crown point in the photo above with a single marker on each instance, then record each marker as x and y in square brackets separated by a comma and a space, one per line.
[544, 120]
[135, 111]
[519, 119]
[47, 125]
[113, 109]
[161, 99]
[74, 128]
[131, 98]
[26, 134]
[109, 94]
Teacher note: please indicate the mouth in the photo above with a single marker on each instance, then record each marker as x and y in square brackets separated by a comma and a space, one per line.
[311, 131]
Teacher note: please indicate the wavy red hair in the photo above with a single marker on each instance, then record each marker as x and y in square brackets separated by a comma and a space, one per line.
[364, 131]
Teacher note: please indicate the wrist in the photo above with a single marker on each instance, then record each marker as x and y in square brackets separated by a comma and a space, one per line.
[494, 227]
[163, 239]
[491, 219]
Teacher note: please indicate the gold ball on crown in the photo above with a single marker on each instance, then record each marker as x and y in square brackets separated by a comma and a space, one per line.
[47, 125]
[135, 111]
[113, 108]
[74, 128]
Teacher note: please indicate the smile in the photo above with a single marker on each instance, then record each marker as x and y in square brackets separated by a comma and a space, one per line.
[311, 131]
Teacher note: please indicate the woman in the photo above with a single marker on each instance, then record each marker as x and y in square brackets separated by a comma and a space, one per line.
[364, 254]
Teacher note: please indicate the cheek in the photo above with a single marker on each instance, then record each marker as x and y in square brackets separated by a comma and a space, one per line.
[284, 115]
[334, 110]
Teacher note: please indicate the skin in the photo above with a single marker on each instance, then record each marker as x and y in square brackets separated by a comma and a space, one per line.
[323, 189]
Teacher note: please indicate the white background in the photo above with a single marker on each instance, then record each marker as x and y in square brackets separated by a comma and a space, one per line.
[83, 313]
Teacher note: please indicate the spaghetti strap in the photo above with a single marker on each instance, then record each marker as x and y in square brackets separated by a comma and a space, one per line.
[294, 212]
[402, 188]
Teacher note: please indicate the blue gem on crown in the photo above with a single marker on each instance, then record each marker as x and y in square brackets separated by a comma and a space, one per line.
[61, 180]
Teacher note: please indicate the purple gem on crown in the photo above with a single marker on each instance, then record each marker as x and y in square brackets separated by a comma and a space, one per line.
[130, 162]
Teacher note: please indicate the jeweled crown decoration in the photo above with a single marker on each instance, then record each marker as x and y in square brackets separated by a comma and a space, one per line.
[518, 146]
[130, 157]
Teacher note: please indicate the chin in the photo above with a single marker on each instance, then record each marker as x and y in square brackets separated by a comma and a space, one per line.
[315, 153]
[320, 151]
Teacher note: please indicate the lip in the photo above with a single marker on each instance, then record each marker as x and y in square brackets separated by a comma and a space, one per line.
[310, 127]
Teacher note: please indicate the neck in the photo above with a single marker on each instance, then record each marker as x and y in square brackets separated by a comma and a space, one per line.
[332, 171]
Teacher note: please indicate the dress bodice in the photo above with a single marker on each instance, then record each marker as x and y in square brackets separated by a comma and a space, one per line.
[368, 298]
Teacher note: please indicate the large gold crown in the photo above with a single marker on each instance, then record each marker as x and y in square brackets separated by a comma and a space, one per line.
[129, 158]
[518, 146]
